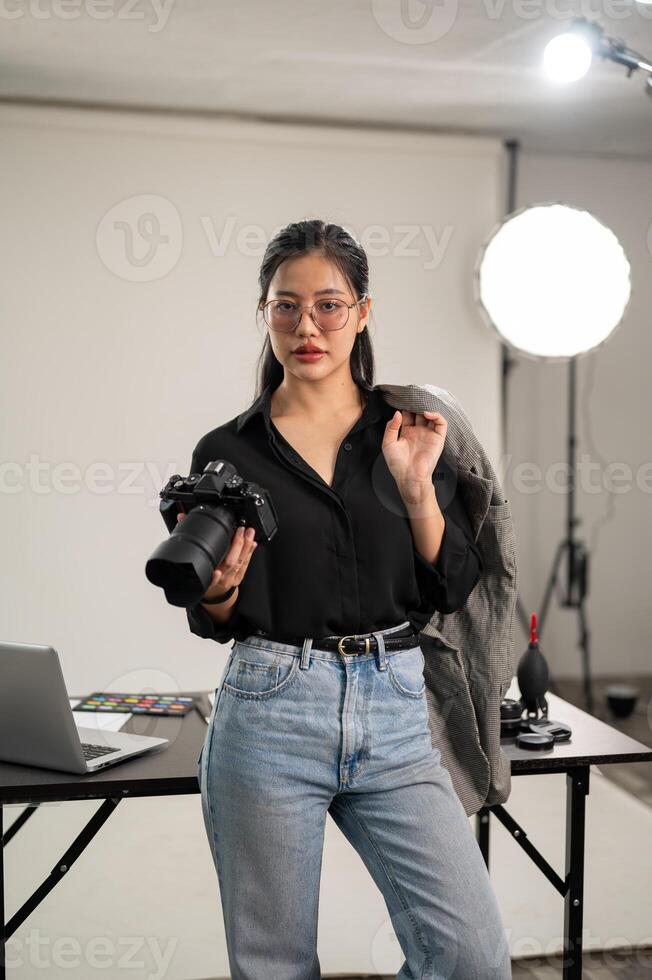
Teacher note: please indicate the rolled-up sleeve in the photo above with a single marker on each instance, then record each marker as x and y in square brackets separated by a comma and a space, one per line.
[446, 585]
[202, 624]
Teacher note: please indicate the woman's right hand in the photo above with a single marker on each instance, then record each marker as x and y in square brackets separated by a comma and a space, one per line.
[233, 567]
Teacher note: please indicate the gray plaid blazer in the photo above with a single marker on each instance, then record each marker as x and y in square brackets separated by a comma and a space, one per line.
[469, 653]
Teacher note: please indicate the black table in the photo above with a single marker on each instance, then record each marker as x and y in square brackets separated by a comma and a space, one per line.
[591, 743]
[165, 771]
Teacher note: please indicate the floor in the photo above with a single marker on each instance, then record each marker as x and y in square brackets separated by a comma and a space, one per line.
[636, 965]
[633, 967]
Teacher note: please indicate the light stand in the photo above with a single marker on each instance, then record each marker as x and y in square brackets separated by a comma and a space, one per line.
[517, 323]
[577, 555]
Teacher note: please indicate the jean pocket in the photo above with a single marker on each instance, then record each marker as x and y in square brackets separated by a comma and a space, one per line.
[405, 671]
[257, 673]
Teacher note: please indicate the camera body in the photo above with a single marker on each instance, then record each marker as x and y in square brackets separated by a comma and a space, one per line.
[220, 484]
[216, 501]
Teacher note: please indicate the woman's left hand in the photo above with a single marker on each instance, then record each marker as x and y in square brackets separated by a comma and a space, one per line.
[412, 458]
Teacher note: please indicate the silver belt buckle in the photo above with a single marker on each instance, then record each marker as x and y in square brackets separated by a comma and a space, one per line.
[352, 636]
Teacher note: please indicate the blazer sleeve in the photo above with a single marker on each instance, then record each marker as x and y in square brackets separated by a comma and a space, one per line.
[446, 585]
[200, 620]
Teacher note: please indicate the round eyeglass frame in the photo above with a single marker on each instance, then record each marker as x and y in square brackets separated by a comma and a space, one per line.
[310, 309]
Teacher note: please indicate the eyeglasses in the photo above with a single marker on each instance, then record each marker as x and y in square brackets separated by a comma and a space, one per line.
[331, 314]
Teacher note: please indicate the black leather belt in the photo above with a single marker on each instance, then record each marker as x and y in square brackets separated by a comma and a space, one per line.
[354, 643]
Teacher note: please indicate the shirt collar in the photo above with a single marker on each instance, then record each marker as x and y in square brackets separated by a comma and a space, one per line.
[375, 409]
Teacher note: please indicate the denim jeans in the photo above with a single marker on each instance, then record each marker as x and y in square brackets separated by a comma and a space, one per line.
[297, 732]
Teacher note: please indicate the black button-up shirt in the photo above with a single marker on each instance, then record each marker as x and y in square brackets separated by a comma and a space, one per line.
[343, 558]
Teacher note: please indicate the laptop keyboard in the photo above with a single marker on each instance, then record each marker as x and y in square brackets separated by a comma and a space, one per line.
[93, 751]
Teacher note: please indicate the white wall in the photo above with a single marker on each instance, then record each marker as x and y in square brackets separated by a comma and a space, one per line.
[99, 368]
[613, 412]
[103, 364]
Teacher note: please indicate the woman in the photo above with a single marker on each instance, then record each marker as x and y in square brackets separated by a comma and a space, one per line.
[321, 707]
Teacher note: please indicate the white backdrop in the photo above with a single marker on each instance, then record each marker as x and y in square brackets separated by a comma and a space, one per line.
[118, 378]
[131, 248]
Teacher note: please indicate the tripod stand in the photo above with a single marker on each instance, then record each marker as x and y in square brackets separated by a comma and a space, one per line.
[577, 555]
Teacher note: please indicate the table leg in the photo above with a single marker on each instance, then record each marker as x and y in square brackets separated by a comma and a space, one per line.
[63, 865]
[482, 832]
[2, 897]
[577, 789]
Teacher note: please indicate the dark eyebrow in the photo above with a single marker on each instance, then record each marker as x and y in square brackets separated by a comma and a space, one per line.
[320, 292]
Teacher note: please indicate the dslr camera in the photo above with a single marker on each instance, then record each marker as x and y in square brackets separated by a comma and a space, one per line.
[216, 501]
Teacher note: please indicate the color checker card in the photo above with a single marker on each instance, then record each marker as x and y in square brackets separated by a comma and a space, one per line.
[139, 704]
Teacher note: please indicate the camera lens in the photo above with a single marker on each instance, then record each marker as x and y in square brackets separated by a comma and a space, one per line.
[184, 563]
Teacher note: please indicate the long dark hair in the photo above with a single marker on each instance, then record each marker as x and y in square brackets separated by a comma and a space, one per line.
[336, 244]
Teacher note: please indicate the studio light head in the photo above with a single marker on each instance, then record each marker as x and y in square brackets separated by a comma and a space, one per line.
[568, 56]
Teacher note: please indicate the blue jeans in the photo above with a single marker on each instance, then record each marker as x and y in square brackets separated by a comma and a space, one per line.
[297, 732]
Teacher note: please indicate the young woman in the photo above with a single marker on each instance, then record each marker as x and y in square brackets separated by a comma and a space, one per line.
[321, 707]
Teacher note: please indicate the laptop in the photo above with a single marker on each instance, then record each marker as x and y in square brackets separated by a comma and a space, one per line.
[37, 727]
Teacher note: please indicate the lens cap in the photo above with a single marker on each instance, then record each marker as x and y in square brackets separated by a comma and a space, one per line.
[559, 731]
[532, 740]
